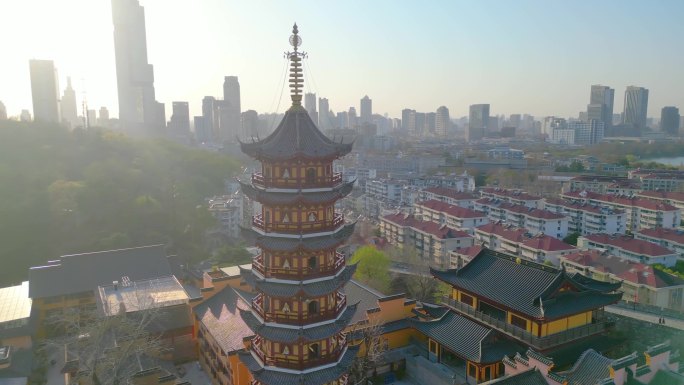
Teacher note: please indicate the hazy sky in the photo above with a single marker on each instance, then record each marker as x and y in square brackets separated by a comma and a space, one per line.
[538, 57]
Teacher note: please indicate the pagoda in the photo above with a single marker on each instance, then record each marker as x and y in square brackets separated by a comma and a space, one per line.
[300, 311]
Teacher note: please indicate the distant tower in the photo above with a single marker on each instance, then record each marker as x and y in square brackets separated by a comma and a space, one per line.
[442, 121]
[352, 118]
[230, 109]
[366, 110]
[44, 91]
[3, 112]
[250, 124]
[139, 112]
[69, 107]
[25, 116]
[210, 118]
[405, 116]
[299, 312]
[669, 120]
[103, 120]
[324, 121]
[179, 125]
[310, 106]
[636, 106]
[600, 105]
[477, 122]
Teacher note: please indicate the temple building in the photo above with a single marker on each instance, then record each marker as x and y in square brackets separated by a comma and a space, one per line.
[299, 310]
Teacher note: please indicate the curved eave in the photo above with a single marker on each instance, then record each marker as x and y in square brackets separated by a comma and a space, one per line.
[568, 304]
[312, 289]
[291, 335]
[325, 375]
[293, 244]
[287, 198]
[444, 275]
[255, 151]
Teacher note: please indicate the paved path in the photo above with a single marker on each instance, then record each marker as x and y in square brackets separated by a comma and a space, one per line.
[648, 317]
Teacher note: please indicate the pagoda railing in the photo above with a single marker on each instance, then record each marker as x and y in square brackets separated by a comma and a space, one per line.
[297, 183]
[297, 227]
[523, 335]
[297, 317]
[299, 362]
[300, 273]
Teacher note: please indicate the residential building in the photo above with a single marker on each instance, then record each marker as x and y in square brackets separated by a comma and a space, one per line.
[534, 220]
[249, 122]
[589, 218]
[366, 110]
[563, 135]
[641, 213]
[605, 184]
[673, 198]
[517, 197]
[68, 107]
[636, 107]
[325, 121]
[44, 91]
[180, 119]
[139, 112]
[588, 132]
[442, 122]
[385, 189]
[310, 106]
[230, 109]
[634, 249]
[501, 237]
[601, 104]
[551, 123]
[505, 153]
[228, 211]
[451, 196]
[103, 117]
[670, 120]
[460, 257]
[543, 248]
[658, 180]
[672, 239]
[210, 118]
[16, 327]
[432, 240]
[477, 122]
[455, 217]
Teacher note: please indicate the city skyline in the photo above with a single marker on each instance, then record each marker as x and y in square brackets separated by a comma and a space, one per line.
[490, 52]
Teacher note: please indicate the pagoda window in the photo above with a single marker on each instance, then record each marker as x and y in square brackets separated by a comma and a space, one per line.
[313, 307]
[286, 173]
[310, 175]
[312, 217]
[313, 351]
[312, 262]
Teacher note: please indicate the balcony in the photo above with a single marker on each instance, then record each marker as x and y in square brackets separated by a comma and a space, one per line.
[296, 183]
[297, 227]
[299, 362]
[301, 273]
[540, 343]
[297, 317]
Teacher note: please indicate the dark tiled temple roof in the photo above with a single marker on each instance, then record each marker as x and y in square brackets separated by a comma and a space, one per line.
[466, 338]
[528, 377]
[312, 289]
[590, 368]
[79, 273]
[318, 377]
[528, 287]
[296, 136]
[288, 198]
[289, 335]
[291, 244]
[366, 297]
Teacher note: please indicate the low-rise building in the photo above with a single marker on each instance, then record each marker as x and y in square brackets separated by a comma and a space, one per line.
[641, 283]
[674, 198]
[589, 218]
[450, 196]
[456, 217]
[460, 257]
[531, 218]
[602, 184]
[627, 247]
[545, 249]
[432, 240]
[672, 239]
[16, 327]
[658, 180]
[517, 197]
[501, 237]
[228, 211]
[385, 189]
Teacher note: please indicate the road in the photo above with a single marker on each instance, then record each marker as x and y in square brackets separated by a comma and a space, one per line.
[648, 317]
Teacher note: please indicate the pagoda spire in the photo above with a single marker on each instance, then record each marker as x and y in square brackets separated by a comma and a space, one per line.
[296, 76]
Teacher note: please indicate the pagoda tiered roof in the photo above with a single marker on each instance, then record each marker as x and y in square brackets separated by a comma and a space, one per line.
[296, 137]
[290, 335]
[328, 374]
[288, 198]
[291, 244]
[313, 289]
[530, 288]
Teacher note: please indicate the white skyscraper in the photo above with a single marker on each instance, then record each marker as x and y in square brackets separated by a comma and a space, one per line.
[366, 110]
[69, 107]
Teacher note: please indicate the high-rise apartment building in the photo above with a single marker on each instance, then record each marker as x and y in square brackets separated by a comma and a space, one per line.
[600, 105]
[202, 133]
[179, 125]
[324, 120]
[210, 118]
[250, 124]
[589, 132]
[68, 107]
[353, 119]
[669, 120]
[405, 114]
[442, 121]
[636, 106]
[229, 110]
[44, 91]
[139, 111]
[550, 123]
[366, 109]
[103, 119]
[310, 106]
[477, 122]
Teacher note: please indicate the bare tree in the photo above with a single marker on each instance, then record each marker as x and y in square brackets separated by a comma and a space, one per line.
[368, 334]
[417, 281]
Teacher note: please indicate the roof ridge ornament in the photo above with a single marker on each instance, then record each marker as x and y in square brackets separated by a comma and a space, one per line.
[296, 76]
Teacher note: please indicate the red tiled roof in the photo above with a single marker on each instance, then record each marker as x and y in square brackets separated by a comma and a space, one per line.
[582, 206]
[547, 243]
[664, 195]
[455, 211]
[470, 251]
[531, 212]
[440, 231]
[508, 232]
[450, 193]
[515, 194]
[630, 244]
[624, 269]
[621, 200]
[672, 235]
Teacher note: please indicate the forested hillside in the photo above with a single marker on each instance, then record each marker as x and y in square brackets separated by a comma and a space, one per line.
[69, 192]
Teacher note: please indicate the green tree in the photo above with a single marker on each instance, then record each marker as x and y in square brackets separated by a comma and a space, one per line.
[373, 267]
[571, 239]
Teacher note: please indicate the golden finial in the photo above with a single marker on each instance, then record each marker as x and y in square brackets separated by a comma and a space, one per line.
[296, 78]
